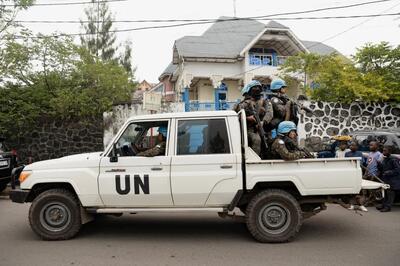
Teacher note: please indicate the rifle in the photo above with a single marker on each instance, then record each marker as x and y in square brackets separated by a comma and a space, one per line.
[296, 147]
[285, 98]
[371, 174]
[261, 131]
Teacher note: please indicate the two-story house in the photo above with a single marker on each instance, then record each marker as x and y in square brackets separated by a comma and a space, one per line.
[207, 72]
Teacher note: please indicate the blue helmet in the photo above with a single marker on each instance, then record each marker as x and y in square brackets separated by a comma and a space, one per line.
[163, 131]
[277, 84]
[251, 84]
[286, 126]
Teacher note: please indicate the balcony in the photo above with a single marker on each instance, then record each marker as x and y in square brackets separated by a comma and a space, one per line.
[259, 59]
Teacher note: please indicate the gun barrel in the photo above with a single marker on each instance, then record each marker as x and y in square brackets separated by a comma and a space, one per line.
[305, 108]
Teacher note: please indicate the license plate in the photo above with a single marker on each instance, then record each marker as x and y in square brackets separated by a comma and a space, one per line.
[3, 163]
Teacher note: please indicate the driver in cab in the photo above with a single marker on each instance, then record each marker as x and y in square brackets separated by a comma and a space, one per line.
[159, 149]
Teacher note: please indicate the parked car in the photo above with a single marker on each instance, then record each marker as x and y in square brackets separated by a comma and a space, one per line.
[383, 137]
[8, 160]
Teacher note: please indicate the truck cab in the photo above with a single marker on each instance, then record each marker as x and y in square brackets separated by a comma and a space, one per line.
[202, 163]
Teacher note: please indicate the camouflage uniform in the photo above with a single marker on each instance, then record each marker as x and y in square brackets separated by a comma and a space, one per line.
[283, 148]
[282, 110]
[265, 113]
[157, 150]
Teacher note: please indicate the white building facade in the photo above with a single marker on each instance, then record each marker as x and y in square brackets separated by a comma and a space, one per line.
[208, 71]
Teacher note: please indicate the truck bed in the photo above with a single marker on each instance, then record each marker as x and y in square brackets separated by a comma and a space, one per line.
[323, 176]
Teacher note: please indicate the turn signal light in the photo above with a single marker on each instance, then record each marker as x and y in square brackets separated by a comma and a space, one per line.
[24, 175]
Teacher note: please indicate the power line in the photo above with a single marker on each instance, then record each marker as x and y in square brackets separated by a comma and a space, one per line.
[165, 26]
[352, 27]
[213, 19]
[222, 20]
[324, 9]
[63, 3]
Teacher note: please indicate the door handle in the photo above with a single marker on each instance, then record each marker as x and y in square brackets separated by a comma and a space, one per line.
[226, 166]
[156, 168]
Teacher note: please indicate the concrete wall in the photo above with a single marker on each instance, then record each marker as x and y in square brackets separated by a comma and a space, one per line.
[234, 90]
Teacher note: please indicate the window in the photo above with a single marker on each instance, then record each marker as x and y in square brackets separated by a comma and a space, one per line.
[141, 136]
[261, 59]
[205, 136]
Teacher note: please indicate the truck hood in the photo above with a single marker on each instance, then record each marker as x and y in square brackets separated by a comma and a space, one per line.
[83, 160]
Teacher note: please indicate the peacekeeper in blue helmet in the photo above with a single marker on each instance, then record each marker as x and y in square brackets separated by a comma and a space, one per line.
[262, 107]
[159, 149]
[285, 145]
[282, 106]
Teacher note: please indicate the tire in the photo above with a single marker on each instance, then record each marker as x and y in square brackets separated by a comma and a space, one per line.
[55, 215]
[3, 186]
[243, 209]
[273, 216]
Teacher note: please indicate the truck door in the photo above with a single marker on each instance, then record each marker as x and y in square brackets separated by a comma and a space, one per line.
[203, 158]
[137, 174]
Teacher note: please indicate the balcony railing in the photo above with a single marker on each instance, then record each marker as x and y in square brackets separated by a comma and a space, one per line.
[211, 106]
[266, 60]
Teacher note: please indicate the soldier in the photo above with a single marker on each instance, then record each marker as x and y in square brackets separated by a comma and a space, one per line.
[285, 146]
[254, 103]
[283, 107]
[159, 149]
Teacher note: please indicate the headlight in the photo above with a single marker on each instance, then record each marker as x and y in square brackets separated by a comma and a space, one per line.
[24, 175]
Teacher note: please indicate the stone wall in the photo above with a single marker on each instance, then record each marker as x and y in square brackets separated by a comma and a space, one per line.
[119, 115]
[51, 139]
[327, 119]
[330, 119]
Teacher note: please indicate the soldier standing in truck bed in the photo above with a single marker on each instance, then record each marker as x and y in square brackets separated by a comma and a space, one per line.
[254, 102]
[283, 107]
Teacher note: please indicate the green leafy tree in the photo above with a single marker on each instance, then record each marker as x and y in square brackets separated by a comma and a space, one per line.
[100, 40]
[125, 59]
[56, 79]
[381, 62]
[8, 11]
[337, 78]
[307, 65]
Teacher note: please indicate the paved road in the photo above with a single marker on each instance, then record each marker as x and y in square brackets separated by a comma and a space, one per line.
[334, 237]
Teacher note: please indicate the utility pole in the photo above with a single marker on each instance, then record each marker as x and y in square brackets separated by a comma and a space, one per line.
[97, 29]
[234, 8]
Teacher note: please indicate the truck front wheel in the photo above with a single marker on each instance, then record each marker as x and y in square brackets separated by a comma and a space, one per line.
[55, 215]
[273, 216]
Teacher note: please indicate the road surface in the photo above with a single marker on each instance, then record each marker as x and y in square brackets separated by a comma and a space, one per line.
[333, 237]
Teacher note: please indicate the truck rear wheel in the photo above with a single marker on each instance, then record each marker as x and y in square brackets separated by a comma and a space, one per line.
[55, 215]
[273, 216]
[3, 186]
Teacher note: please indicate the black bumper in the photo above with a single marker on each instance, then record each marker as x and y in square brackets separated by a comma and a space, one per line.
[19, 195]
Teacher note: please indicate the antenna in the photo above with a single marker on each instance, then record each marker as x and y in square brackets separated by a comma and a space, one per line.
[234, 8]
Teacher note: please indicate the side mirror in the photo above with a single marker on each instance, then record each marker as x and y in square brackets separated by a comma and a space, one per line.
[114, 155]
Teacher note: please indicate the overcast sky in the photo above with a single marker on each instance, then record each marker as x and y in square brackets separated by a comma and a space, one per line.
[152, 49]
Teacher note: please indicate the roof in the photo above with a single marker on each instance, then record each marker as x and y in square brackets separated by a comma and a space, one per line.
[226, 39]
[223, 39]
[169, 70]
[275, 25]
[319, 48]
[184, 115]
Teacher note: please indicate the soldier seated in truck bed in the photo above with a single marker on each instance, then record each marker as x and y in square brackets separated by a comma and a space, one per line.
[285, 146]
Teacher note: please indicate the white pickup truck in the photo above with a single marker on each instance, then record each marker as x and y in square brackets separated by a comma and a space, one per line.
[206, 166]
